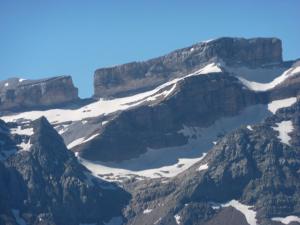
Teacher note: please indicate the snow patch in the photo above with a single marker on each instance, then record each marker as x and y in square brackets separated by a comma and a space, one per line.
[22, 131]
[249, 128]
[159, 163]
[255, 86]
[248, 212]
[80, 141]
[21, 80]
[113, 172]
[25, 146]
[147, 211]
[177, 218]
[282, 103]
[6, 84]
[287, 220]
[284, 128]
[203, 167]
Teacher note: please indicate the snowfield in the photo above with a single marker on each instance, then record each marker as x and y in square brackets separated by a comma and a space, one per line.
[282, 103]
[284, 128]
[156, 163]
[105, 107]
[247, 210]
[287, 220]
[255, 86]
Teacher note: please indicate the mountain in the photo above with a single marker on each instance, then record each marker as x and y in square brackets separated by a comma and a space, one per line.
[207, 134]
[45, 184]
[19, 94]
[137, 76]
[254, 170]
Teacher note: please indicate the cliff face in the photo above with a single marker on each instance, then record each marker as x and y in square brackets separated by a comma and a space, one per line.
[45, 184]
[133, 77]
[249, 165]
[18, 93]
[198, 102]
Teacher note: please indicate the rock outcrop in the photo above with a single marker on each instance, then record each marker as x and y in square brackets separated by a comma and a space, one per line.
[47, 185]
[197, 101]
[18, 93]
[249, 165]
[136, 76]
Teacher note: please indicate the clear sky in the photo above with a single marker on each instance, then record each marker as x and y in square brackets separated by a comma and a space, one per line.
[42, 38]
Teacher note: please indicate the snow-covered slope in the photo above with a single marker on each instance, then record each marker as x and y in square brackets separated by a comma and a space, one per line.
[282, 103]
[169, 162]
[105, 107]
[256, 86]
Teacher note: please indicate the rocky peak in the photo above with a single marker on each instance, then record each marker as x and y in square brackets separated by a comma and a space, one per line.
[136, 76]
[16, 93]
[56, 189]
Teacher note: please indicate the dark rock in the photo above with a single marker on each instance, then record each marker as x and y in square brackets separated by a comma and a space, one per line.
[51, 187]
[198, 101]
[251, 166]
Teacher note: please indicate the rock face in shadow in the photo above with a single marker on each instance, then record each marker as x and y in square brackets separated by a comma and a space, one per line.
[136, 76]
[47, 185]
[249, 165]
[197, 101]
[17, 93]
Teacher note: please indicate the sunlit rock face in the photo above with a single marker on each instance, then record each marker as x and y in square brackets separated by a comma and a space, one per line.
[17, 93]
[136, 76]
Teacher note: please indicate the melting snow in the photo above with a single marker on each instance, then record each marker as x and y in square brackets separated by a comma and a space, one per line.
[113, 172]
[282, 103]
[287, 220]
[245, 209]
[25, 145]
[21, 80]
[284, 128]
[255, 86]
[156, 163]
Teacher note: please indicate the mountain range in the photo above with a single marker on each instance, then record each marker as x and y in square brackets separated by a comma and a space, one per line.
[205, 135]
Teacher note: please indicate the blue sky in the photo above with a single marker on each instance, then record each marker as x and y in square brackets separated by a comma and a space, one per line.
[50, 37]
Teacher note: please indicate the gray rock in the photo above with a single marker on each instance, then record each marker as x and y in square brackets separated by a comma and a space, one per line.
[251, 166]
[198, 101]
[17, 94]
[48, 185]
[136, 76]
